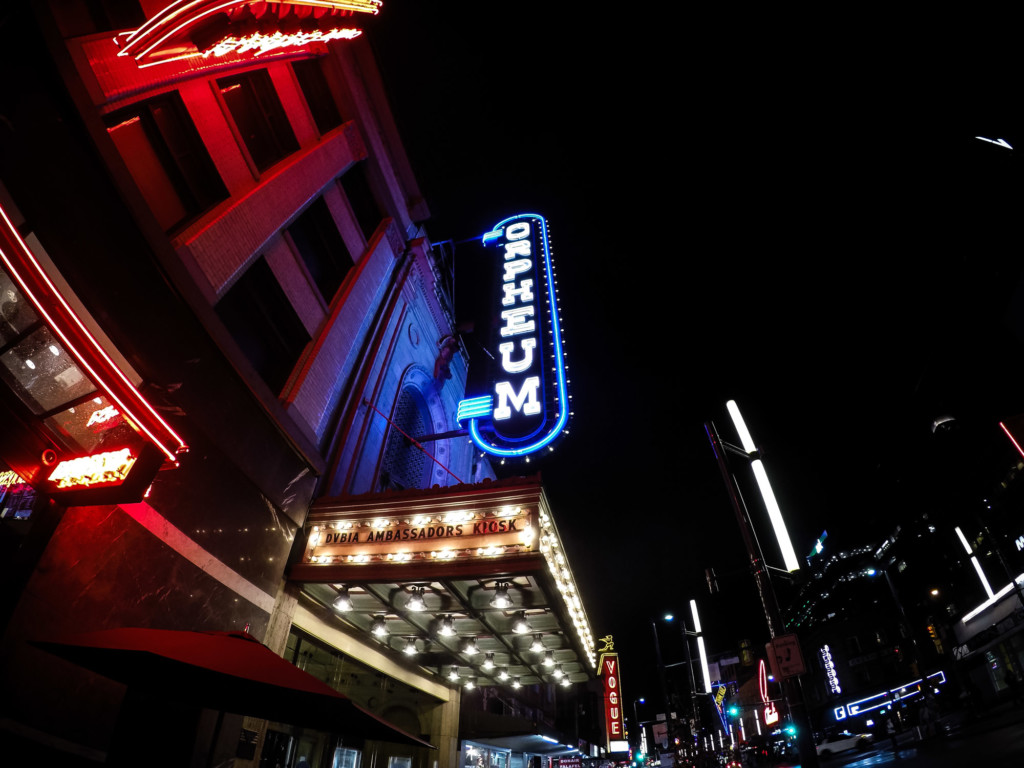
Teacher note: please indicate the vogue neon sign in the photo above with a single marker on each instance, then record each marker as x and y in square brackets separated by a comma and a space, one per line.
[527, 406]
[614, 720]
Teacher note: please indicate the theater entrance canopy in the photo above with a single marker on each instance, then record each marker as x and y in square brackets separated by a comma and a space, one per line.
[471, 584]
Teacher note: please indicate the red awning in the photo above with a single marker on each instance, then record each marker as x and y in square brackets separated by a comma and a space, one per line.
[227, 671]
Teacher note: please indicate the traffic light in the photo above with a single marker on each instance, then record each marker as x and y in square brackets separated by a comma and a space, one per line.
[733, 710]
[790, 730]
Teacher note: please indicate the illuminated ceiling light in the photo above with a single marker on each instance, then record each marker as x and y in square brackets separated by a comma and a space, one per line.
[566, 682]
[521, 626]
[410, 647]
[470, 683]
[549, 659]
[558, 673]
[380, 627]
[537, 646]
[416, 602]
[489, 661]
[501, 599]
[503, 674]
[516, 683]
[453, 673]
[343, 602]
[447, 627]
[470, 648]
[774, 513]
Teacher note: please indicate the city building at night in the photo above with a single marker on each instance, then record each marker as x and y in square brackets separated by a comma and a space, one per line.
[220, 311]
[871, 648]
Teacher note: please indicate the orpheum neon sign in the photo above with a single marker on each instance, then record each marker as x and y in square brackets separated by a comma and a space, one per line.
[527, 406]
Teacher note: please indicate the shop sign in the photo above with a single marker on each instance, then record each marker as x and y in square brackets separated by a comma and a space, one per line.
[771, 714]
[522, 405]
[830, 670]
[500, 531]
[614, 720]
[785, 657]
[108, 477]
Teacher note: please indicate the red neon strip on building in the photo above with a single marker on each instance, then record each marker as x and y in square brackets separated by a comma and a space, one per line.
[1015, 443]
[47, 300]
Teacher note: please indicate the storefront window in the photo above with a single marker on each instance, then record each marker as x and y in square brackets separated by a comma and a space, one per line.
[406, 707]
[43, 374]
[91, 426]
[346, 758]
[16, 315]
[479, 756]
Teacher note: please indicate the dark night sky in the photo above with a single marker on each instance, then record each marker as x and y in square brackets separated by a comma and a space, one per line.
[788, 211]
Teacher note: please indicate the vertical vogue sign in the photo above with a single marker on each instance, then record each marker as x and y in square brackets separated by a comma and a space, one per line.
[614, 722]
[527, 405]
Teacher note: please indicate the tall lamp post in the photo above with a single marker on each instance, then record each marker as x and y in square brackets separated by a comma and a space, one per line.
[705, 686]
[639, 725]
[750, 455]
[670, 730]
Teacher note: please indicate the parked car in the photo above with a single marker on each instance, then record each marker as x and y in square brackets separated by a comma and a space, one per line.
[843, 741]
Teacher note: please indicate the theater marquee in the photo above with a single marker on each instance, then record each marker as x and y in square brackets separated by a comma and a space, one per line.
[500, 531]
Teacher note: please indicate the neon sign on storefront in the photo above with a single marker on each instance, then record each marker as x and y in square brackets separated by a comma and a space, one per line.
[771, 714]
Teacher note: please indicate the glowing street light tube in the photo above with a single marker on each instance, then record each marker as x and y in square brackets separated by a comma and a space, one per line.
[700, 648]
[774, 513]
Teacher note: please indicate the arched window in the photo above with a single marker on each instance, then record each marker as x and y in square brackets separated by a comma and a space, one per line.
[405, 464]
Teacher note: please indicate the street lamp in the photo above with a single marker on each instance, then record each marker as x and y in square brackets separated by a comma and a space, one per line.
[639, 725]
[773, 617]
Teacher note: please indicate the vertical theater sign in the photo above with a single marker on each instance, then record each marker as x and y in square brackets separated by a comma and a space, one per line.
[522, 405]
[614, 720]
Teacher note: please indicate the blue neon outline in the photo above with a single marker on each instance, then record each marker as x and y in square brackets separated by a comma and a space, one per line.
[887, 694]
[556, 331]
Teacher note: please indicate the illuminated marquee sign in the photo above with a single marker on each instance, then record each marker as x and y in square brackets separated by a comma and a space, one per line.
[771, 714]
[455, 535]
[194, 28]
[106, 477]
[524, 405]
[614, 720]
[109, 468]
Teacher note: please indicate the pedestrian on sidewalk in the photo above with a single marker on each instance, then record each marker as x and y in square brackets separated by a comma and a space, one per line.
[890, 728]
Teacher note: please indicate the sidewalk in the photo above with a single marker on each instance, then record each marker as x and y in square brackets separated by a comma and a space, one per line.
[967, 723]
